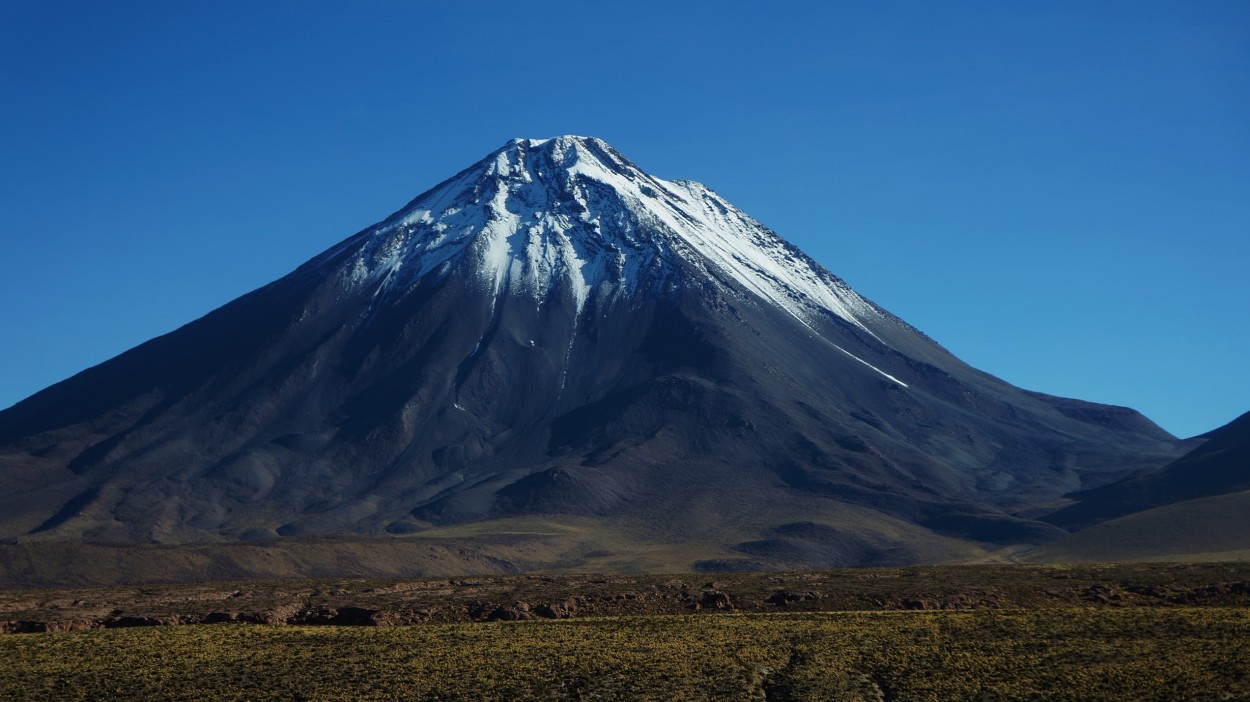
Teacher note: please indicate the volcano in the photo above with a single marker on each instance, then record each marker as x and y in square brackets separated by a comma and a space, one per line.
[554, 336]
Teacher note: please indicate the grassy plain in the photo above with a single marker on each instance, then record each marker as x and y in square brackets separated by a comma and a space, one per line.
[1183, 653]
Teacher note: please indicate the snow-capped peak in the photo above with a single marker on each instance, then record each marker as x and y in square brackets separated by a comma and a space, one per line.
[572, 213]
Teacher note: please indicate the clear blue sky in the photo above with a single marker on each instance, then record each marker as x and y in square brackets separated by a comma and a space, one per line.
[1059, 192]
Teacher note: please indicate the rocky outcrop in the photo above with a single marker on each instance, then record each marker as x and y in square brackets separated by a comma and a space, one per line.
[782, 598]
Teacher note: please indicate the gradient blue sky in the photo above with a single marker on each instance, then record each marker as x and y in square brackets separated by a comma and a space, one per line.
[1059, 192]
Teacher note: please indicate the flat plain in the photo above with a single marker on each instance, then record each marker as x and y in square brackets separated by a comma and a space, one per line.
[1139, 632]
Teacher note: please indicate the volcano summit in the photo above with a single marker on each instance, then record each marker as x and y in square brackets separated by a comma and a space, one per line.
[556, 347]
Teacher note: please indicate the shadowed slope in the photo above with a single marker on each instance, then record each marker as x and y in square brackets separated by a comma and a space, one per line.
[1220, 465]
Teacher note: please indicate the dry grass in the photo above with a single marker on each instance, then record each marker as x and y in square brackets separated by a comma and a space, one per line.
[1062, 654]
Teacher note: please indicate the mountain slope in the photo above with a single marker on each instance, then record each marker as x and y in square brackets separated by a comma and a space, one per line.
[1219, 466]
[554, 331]
[1203, 529]
[1197, 507]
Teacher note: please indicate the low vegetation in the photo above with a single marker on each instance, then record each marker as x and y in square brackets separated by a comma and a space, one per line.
[1123, 632]
[1129, 653]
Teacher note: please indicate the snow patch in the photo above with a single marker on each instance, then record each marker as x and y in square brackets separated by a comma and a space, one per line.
[571, 216]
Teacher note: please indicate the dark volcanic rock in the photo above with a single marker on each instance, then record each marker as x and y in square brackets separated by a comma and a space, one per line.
[1102, 594]
[510, 613]
[355, 616]
[558, 610]
[71, 625]
[785, 597]
[331, 616]
[51, 626]
[715, 599]
[124, 621]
